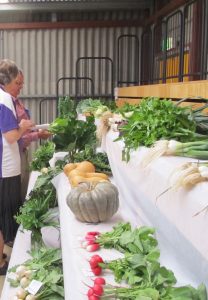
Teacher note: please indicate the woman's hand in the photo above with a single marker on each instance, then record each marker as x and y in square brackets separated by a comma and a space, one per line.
[15, 134]
[44, 134]
[25, 125]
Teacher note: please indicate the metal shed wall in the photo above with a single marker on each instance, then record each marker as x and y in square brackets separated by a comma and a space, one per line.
[45, 55]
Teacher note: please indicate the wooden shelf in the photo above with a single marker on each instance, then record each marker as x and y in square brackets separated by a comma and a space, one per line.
[190, 89]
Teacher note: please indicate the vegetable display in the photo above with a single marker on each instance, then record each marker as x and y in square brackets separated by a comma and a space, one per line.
[66, 107]
[72, 135]
[156, 119]
[188, 174]
[123, 238]
[84, 166]
[42, 156]
[113, 292]
[93, 199]
[200, 117]
[197, 149]
[45, 267]
[91, 106]
[89, 153]
[139, 272]
[98, 159]
[83, 172]
[139, 269]
[93, 202]
[35, 212]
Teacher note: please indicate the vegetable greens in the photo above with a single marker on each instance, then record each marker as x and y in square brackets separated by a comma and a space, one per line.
[66, 107]
[45, 265]
[42, 156]
[156, 119]
[72, 135]
[35, 212]
[140, 268]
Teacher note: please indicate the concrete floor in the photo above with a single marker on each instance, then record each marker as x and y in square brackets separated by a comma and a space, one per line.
[8, 251]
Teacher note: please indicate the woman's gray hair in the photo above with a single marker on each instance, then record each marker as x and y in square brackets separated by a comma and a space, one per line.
[8, 71]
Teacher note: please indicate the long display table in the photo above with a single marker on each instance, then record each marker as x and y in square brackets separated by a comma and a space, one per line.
[172, 214]
[20, 249]
[75, 259]
[182, 237]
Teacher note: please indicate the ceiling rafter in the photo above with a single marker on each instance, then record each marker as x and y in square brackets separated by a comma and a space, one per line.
[60, 5]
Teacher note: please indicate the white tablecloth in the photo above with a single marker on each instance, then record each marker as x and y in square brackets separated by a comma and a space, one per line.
[20, 249]
[75, 259]
[181, 235]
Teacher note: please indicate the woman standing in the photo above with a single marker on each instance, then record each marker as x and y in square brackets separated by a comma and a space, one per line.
[10, 145]
[14, 89]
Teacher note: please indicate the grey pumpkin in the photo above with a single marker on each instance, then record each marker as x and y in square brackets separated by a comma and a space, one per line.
[93, 202]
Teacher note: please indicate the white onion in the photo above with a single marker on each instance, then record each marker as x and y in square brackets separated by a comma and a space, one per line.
[24, 282]
[204, 174]
[21, 270]
[172, 145]
[21, 293]
[203, 169]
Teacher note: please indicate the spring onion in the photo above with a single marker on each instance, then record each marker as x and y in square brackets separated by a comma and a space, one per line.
[189, 174]
[196, 149]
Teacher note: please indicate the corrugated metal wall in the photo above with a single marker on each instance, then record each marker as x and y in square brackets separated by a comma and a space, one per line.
[46, 55]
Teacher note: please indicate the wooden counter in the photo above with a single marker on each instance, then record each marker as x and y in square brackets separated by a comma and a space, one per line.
[177, 90]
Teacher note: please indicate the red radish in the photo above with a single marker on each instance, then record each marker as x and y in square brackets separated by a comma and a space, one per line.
[93, 233]
[90, 292]
[90, 238]
[97, 271]
[91, 242]
[84, 244]
[93, 297]
[93, 262]
[93, 247]
[100, 281]
[98, 289]
[98, 258]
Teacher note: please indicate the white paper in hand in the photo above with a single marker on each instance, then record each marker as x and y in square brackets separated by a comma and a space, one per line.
[42, 126]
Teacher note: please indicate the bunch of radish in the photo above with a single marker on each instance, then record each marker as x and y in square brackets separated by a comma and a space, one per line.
[97, 290]
[95, 262]
[89, 242]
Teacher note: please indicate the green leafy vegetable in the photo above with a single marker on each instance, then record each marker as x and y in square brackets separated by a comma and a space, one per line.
[138, 269]
[91, 106]
[110, 239]
[35, 212]
[42, 156]
[72, 135]
[45, 265]
[99, 159]
[156, 119]
[66, 107]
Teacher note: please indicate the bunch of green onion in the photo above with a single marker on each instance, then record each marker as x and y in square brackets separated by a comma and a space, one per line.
[195, 149]
[189, 174]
